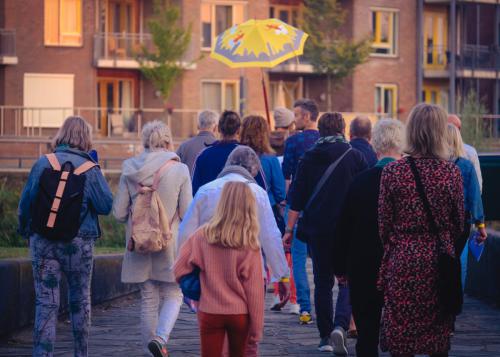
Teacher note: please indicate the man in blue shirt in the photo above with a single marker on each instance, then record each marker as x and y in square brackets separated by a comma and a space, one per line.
[306, 114]
[360, 132]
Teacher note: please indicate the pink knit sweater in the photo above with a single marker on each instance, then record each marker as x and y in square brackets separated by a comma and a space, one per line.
[231, 279]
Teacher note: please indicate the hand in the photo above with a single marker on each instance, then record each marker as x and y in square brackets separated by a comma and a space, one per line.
[481, 237]
[287, 240]
[342, 280]
[284, 293]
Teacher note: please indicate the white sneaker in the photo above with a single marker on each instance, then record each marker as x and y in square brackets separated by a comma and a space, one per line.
[339, 342]
[294, 309]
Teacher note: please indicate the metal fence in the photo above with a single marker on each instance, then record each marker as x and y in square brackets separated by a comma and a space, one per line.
[120, 46]
[480, 57]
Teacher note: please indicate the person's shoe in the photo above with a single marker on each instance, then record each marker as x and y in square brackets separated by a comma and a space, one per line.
[325, 345]
[157, 347]
[305, 318]
[294, 309]
[276, 304]
[339, 341]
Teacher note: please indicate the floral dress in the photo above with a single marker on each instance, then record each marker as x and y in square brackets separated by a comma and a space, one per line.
[412, 321]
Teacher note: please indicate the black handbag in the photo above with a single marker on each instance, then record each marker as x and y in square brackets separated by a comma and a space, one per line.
[450, 295]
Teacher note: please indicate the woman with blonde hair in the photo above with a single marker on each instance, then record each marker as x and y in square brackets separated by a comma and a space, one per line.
[161, 298]
[420, 216]
[227, 252]
[53, 252]
[473, 203]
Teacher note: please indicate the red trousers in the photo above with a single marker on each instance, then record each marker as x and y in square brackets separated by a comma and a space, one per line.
[214, 327]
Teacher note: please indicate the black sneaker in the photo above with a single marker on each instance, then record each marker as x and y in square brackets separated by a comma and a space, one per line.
[157, 347]
[325, 345]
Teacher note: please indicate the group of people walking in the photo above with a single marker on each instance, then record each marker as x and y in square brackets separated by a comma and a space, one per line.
[375, 213]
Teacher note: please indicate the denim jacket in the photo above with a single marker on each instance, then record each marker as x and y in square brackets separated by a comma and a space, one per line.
[472, 192]
[97, 197]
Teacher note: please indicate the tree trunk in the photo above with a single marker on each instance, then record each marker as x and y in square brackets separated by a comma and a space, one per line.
[329, 92]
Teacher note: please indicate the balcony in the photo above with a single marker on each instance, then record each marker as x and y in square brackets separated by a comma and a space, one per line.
[8, 47]
[120, 50]
[436, 58]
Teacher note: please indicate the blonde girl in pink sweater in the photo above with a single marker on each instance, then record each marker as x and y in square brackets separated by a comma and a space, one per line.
[227, 251]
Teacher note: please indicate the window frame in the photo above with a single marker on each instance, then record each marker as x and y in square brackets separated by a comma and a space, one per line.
[427, 90]
[384, 87]
[60, 41]
[213, 4]
[288, 8]
[223, 83]
[434, 15]
[394, 33]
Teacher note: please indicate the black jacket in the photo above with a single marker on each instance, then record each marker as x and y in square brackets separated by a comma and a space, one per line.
[329, 201]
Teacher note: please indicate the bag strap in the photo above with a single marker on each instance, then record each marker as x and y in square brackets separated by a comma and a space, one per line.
[158, 174]
[325, 177]
[87, 165]
[423, 197]
[54, 162]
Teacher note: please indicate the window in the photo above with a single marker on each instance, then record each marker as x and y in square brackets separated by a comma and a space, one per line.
[220, 95]
[115, 98]
[288, 14]
[435, 40]
[384, 32]
[216, 18]
[284, 93]
[386, 100]
[46, 90]
[433, 94]
[63, 22]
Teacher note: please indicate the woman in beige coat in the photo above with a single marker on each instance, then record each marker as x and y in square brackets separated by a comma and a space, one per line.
[161, 297]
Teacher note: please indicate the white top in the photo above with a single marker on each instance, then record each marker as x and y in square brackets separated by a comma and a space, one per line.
[472, 156]
[202, 209]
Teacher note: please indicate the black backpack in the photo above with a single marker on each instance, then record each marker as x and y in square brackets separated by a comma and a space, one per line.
[56, 210]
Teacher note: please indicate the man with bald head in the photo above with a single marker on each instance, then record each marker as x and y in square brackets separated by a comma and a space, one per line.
[470, 152]
[360, 132]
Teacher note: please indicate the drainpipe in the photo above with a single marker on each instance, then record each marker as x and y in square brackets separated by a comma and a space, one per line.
[453, 55]
[420, 49]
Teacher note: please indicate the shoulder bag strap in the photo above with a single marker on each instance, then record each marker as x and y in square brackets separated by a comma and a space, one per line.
[53, 161]
[423, 197]
[87, 165]
[158, 174]
[325, 177]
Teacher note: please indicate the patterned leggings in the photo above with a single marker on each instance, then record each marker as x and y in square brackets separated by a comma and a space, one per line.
[49, 260]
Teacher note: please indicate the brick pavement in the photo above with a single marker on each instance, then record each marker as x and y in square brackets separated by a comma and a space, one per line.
[115, 332]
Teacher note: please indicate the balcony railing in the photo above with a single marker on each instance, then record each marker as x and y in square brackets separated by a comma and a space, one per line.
[479, 57]
[436, 57]
[8, 46]
[120, 49]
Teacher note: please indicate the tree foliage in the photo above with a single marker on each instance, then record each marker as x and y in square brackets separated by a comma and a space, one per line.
[162, 66]
[472, 111]
[327, 48]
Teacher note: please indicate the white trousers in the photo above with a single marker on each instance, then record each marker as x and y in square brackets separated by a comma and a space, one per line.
[160, 306]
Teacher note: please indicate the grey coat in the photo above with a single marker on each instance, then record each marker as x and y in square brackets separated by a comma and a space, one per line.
[190, 149]
[175, 192]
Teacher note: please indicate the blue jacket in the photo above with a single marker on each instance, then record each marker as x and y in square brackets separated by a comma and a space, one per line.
[366, 149]
[97, 197]
[273, 175]
[472, 193]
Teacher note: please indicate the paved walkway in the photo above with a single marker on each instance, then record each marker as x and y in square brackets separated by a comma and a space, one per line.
[115, 332]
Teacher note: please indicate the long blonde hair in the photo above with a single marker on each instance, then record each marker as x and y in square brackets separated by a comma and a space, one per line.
[235, 224]
[426, 132]
[455, 143]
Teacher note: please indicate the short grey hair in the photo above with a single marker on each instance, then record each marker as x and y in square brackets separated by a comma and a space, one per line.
[387, 135]
[156, 135]
[207, 119]
[245, 157]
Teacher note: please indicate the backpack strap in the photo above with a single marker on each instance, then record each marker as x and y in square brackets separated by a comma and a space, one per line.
[53, 161]
[87, 165]
[158, 175]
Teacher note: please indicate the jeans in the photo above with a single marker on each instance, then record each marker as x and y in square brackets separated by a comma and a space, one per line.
[213, 329]
[160, 306]
[324, 280]
[49, 259]
[299, 259]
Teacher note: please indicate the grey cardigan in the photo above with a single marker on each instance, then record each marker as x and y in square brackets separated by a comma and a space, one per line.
[175, 192]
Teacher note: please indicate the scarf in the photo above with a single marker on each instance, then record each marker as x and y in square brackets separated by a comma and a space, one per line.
[235, 169]
[332, 139]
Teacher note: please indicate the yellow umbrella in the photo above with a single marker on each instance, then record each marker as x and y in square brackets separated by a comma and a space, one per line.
[259, 43]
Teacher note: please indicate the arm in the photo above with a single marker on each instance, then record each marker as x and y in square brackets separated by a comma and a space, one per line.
[187, 259]
[288, 160]
[457, 203]
[28, 194]
[98, 191]
[185, 193]
[298, 196]
[197, 175]
[277, 181]
[251, 276]
[475, 200]
[122, 202]
[474, 158]
[385, 207]
[191, 219]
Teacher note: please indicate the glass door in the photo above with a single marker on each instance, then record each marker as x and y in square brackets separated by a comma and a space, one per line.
[122, 21]
[115, 99]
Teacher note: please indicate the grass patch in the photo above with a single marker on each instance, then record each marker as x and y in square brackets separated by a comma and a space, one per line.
[24, 252]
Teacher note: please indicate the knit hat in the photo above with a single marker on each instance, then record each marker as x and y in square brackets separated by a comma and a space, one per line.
[283, 117]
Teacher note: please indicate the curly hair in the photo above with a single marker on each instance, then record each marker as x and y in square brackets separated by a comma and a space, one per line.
[255, 134]
[331, 123]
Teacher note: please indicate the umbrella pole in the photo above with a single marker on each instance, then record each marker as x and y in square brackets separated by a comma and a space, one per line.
[265, 98]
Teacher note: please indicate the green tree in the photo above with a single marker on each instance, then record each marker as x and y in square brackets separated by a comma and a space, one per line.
[162, 66]
[472, 111]
[327, 49]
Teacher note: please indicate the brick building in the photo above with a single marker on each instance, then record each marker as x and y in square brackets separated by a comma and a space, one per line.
[79, 55]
